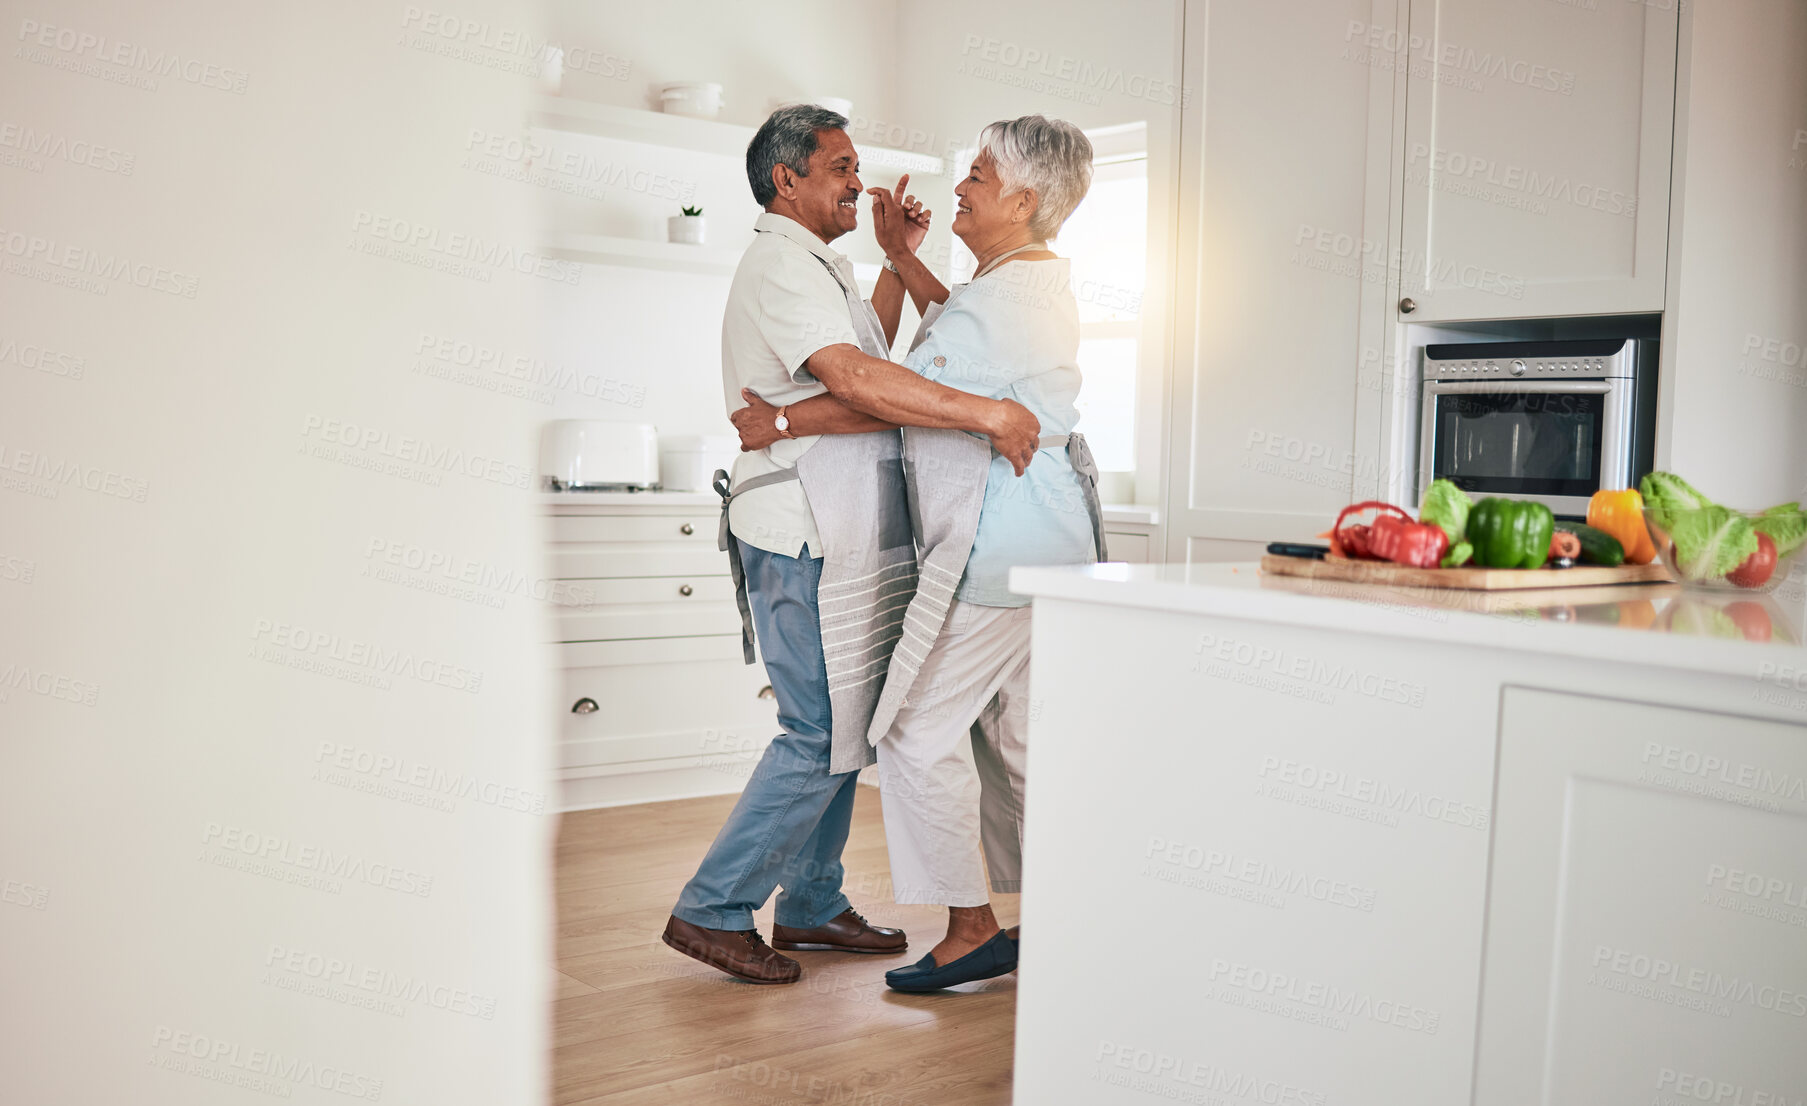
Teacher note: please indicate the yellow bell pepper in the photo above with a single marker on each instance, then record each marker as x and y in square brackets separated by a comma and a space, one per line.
[1621, 514]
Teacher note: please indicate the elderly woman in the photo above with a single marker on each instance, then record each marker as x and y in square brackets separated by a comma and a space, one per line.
[953, 715]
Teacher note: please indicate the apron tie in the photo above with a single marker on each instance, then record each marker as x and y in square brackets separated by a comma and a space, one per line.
[725, 541]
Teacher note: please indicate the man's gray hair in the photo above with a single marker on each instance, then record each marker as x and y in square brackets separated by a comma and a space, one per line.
[1050, 156]
[787, 138]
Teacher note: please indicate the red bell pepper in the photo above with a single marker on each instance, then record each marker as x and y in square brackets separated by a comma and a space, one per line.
[1356, 539]
[1402, 541]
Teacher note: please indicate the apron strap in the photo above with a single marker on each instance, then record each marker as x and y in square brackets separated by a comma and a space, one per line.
[1079, 455]
[725, 541]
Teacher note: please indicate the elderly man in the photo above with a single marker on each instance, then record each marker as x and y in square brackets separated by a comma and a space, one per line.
[818, 532]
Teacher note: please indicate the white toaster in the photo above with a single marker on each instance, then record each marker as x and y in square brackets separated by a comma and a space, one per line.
[588, 455]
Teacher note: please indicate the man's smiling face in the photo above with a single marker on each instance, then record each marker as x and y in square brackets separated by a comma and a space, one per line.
[827, 199]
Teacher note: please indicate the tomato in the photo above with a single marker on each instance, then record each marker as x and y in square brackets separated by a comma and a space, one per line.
[1756, 569]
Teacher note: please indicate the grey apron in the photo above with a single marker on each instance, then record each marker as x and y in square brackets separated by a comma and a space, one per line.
[855, 487]
[945, 472]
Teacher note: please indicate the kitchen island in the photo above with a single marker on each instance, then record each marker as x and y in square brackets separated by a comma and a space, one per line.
[1297, 842]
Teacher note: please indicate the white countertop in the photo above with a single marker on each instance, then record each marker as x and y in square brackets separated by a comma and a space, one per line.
[1650, 624]
[629, 499]
[1113, 512]
[1136, 513]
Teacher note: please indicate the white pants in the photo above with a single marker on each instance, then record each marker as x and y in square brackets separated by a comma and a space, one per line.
[951, 769]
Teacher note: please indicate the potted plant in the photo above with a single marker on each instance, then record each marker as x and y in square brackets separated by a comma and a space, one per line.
[687, 228]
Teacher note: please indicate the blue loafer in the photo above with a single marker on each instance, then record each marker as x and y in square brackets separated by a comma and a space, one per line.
[994, 958]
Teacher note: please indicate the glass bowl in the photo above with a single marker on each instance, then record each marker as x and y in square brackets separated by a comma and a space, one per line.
[1706, 529]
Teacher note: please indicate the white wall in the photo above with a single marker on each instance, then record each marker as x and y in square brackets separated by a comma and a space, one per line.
[167, 739]
[1736, 405]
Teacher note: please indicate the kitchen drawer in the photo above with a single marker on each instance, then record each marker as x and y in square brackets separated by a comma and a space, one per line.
[712, 647]
[715, 699]
[652, 589]
[651, 620]
[699, 528]
[597, 560]
[1129, 547]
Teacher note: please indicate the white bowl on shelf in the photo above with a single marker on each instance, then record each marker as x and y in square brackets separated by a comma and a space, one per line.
[697, 99]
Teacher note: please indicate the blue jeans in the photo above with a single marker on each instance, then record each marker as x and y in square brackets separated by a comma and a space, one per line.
[792, 818]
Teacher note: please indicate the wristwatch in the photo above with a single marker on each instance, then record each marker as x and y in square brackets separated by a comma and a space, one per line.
[782, 424]
[891, 265]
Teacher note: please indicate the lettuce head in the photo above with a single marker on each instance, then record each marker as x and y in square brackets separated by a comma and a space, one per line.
[1447, 506]
[1667, 495]
[1711, 541]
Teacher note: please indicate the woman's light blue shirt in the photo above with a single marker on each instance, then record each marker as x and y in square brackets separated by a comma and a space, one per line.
[1014, 334]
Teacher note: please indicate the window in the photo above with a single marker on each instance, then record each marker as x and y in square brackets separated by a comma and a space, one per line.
[1107, 238]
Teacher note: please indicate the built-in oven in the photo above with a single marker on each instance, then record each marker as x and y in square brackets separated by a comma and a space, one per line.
[1550, 421]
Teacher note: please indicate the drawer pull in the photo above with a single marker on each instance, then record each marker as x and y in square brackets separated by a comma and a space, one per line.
[585, 705]
[685, 589]
[766, 692]
[687, 529]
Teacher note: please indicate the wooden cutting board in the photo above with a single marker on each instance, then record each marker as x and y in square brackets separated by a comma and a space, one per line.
[1464, 579]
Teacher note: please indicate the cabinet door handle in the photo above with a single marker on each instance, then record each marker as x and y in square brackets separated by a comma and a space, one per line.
[586, 705]
[766, 692]
[685, 589]
[1408, 305]
[687, 529]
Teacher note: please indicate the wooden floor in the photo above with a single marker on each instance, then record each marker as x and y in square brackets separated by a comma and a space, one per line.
[637, 1023]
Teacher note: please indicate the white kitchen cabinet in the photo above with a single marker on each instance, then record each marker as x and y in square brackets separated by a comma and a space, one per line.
[654, 697]
[1132, 534]
[1615, 974]
[1537, 157]
[1284, 171]
[1546, 855]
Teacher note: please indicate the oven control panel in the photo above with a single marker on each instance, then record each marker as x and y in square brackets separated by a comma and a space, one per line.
[1590, 360]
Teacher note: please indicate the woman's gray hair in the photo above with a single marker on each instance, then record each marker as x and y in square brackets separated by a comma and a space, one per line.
[787, 138]
[1050, 156]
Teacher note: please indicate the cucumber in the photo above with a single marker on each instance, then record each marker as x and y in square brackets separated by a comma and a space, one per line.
[1597, 546]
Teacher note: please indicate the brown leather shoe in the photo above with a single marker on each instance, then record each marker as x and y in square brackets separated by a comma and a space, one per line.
[847, 932]
[742, 953]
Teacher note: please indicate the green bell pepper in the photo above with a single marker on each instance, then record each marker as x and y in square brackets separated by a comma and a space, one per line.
[1510, 533]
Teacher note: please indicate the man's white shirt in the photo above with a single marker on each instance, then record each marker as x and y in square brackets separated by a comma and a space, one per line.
[783, 306]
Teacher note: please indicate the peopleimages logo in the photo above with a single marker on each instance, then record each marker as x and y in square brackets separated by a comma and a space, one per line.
[1709, 984]
[84, 48]
[378, 982]
[1325, 997]
[1713, 769]
[1209, 1077]
[269, 849]
[378, 444]
[55, 261]
[1720, 1092]
[1443, 54]
[1096, 78]
[254, 1068]
[322, 647]
[1379, 794]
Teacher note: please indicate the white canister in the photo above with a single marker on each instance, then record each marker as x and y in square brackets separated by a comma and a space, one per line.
[687, 462]
[697, 99]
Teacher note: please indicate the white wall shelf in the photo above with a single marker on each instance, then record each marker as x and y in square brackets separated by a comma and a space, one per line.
[603, 249]
[641, 253]
[709, 136]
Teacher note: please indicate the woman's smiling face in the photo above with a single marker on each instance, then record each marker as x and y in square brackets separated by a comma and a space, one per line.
[982, 214]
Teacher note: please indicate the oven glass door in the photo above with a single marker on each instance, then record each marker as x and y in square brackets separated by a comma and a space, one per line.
[1519, 440]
